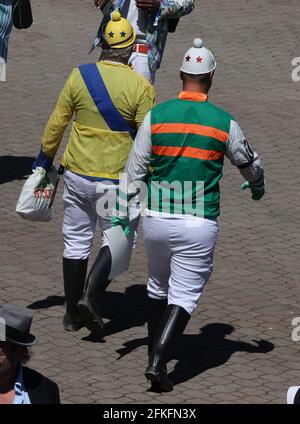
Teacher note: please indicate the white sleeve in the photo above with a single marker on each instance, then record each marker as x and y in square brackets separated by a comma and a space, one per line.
[240, 154]
[136, 168]
[139, 158]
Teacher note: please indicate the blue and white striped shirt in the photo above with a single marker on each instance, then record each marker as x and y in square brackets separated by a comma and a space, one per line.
[6, 24]
[21, 395]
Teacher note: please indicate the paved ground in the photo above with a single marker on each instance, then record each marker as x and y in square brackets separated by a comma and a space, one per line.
[254, 292]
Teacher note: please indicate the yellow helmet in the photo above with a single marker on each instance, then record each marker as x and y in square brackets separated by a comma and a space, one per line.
[119, 32]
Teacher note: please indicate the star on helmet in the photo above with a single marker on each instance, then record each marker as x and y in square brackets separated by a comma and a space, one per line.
[198, 60]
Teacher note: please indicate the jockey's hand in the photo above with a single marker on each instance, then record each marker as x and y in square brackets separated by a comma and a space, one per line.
[45, 188]
[257, 188]
[124, 222]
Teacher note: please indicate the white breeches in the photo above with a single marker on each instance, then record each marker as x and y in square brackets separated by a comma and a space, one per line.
[80, 214]
[180, 258]
[86, 203]
[139, 62]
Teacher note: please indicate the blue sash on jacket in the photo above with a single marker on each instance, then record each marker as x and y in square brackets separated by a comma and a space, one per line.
[98, 91]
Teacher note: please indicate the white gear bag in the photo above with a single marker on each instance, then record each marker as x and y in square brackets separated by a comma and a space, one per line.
[37, 209]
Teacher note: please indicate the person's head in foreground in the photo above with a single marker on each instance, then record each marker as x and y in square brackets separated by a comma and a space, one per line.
[19, 384]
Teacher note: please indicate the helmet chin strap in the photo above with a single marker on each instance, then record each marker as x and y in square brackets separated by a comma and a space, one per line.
[103, 43]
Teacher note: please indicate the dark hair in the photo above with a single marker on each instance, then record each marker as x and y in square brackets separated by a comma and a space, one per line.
[12, 349]
[118, 55]
[26, 355]
[204, 78]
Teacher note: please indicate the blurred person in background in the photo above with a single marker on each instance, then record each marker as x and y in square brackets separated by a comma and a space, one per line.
[6, 23]
[151, 20]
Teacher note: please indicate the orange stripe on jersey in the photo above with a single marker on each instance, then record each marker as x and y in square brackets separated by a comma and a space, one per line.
[189, 152]
[191, 129]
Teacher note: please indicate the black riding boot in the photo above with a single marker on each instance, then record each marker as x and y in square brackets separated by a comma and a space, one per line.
[156, 309]
[96, 284]
[74, 271]
[172, 325]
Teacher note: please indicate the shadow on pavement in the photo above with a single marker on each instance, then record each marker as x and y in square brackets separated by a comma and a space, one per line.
[196, 353]
[14, 168]
[210, 349]
[47, 303]
[124, 310]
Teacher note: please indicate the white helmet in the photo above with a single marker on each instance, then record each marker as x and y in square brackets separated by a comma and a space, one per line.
[198, 60]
